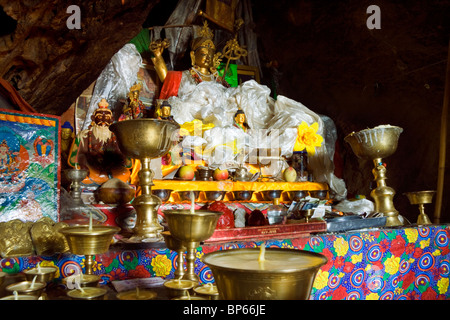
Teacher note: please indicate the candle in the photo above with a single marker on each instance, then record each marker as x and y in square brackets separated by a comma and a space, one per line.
[33, 282]
[16, 295]
[39, 267]
[90, 221]
[179, 284]
[192, 201]
[262, 251]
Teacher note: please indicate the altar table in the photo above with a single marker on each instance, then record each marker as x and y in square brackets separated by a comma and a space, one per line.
[388, 264]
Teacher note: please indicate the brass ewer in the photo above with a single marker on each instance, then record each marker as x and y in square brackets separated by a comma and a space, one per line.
[421, 198]
[283, 274]
[191, 228]
[375, 144]
[145, 139]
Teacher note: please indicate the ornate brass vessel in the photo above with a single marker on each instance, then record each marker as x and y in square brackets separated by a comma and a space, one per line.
[176, 245]
[76, 176]
[376, 144]
[85, 241]
[283, 274]
[421, 198]
[145, 139]
[191, 229]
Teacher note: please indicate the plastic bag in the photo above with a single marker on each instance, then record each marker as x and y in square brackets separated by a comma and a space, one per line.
[356, 206]
[115, 81]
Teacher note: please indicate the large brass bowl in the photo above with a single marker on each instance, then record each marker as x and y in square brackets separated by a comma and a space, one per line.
[144, 138]
[286, 274]
[378, 142]
[192, 227]
[83, 241]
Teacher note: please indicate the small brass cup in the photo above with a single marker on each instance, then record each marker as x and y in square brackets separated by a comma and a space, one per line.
[24, 288]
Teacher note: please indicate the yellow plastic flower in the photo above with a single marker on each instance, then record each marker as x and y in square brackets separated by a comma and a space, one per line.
[424, 243]
[442, 285]
[412, 235]
[372, 296]
[341, 246]
[161, 265]
[356, 258]
[321, 280]
[307, 138]
[392, 264]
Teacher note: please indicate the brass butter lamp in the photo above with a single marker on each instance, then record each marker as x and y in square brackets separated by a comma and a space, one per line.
[191, 228]
[89, 240]
[421, 198]
[145, 139]
[376, 144]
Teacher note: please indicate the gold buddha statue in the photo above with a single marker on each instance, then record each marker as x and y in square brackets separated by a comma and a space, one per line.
[204, 61]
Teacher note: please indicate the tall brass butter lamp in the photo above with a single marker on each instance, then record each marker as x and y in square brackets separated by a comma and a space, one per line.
[145, 139]
[375, 144]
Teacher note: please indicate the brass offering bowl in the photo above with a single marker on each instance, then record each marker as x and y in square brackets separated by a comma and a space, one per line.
[297, 195]
[306, 214]
[269, 195]
[142, 294]
[204, 174]
[86, 280]
[215, 195]
[42, 274]
[208, 291]
[319, 194]
[189, 298]
[115, 195]
[163, 194]
[24, 288]
[179, 287]
[242, 195]
[375, 144]
[191, 229]
[186, 195]
[284, 274]
[20, 297]
[88, 293]
[146, 139]
[421, 198]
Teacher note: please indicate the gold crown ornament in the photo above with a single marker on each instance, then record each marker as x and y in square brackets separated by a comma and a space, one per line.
[204, 40]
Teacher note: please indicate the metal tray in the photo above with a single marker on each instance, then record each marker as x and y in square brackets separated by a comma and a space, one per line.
[346, 223]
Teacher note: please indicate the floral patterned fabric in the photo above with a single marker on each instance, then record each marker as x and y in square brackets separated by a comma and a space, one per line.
[389, 264]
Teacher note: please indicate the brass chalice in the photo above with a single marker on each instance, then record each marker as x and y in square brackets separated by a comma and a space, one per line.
[376, 144]
[421, 198]
[191, 228]
[76, 176]
[145, 139]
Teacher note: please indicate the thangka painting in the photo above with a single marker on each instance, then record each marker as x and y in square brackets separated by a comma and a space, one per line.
[29, 166]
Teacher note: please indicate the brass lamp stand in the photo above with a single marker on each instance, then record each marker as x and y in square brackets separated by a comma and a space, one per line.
[376, 144]
[145, 139]
[421, 198]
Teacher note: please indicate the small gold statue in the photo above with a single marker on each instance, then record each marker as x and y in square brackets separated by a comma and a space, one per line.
[204, 61]
[164, 112]
[240, 120]
[134, 108]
